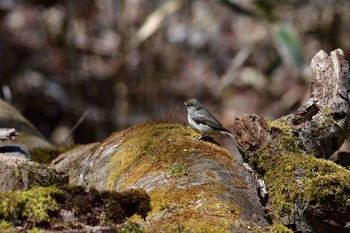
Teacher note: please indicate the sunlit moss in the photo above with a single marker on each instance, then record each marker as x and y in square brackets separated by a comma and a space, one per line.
[33, 205]
[165, 151]
[7, 227]
[149, 143]
[35, 230]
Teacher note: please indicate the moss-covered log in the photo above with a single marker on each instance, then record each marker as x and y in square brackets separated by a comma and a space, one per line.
[306, 193]
[194, 186]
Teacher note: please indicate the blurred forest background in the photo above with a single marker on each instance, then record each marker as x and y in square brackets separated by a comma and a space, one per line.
[122, 62]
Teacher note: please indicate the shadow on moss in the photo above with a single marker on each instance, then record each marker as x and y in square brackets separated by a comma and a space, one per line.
[70, 207]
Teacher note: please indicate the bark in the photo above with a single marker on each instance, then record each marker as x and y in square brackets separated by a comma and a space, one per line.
[305, 193]
[322, 123]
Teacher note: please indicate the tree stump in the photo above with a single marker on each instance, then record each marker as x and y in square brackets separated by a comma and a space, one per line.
[306, 192]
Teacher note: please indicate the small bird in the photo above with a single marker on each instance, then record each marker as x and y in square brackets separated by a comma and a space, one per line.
[203, 121]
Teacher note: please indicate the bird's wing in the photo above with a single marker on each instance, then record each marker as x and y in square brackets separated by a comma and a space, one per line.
[207, 119]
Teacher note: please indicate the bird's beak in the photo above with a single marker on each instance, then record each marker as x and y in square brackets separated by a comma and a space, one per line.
[185, 103]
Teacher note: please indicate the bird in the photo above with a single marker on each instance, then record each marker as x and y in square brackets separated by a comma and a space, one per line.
[202, 121]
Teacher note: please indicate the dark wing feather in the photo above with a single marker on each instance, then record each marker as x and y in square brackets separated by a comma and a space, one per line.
[207, 119]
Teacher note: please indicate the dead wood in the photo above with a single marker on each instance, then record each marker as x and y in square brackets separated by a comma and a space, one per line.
[306, 194]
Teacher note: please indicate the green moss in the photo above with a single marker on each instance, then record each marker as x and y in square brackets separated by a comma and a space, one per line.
[40, 205]
[296, 180]
[7, 227]
[149, 144]
[33, 205]
[160, 156]
[283, 129]
[40, 175]
[329, 193]
[177, 170]
[131, 227]
[157, 146]
[35, 230]
[163, 206]
[189, 220]
[279, 228]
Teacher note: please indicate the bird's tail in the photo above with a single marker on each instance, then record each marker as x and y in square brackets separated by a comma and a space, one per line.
[233, 136]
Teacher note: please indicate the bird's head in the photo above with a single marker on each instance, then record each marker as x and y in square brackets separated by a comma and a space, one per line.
[193, 104]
